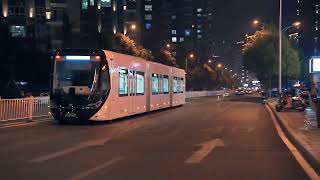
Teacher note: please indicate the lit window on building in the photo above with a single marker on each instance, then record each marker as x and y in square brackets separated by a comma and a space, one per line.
[84, 4]
[148, 17]
[174, 39]
[199, 10]
[317, 9]
[298, 12]
[148, 26]
[181, 39]
[173, 31]
[17, 31]
[199, 36]
[91, 2]
[173, 17]
[148, 7]
[198, 15]
[105, 3]
[187, 32]
[316, 25]
[199, 31]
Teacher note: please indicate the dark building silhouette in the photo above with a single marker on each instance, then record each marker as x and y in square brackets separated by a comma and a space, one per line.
[307, 13]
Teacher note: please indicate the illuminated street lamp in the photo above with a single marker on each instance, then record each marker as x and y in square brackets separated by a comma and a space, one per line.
[133, 26]
[168, 45]
[256, 22]
[209, 61]
[190, 56]
[219, 65]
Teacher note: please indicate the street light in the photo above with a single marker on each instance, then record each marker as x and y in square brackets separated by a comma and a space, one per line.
[209, 61]
[219, 65]
[295, 24]
[191, 56]
[168, 45]
[133, 26]
[255, 22]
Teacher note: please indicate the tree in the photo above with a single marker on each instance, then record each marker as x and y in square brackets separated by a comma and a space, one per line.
[260, 56]
[167, 57]
[128, 46]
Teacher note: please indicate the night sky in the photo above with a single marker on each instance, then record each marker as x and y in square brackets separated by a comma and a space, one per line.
[234, 17]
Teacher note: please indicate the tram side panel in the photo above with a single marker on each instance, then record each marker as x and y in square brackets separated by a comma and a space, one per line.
[178, 87]
[159, 83]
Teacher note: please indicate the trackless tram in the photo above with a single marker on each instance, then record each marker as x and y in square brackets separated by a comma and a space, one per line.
[104, 85]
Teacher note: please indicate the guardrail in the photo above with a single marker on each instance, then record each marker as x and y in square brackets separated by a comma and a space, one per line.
[193, 94]
[24, 108]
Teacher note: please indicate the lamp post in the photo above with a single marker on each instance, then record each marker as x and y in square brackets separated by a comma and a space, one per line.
[191, 56]
[280, 47]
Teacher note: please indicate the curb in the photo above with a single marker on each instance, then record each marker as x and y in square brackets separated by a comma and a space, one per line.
[300, 145]
[15, 123]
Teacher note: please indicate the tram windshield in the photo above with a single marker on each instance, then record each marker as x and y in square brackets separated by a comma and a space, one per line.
[76, 73]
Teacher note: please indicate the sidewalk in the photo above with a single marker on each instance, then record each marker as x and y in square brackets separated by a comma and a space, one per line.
[306, 141]
[24, 121]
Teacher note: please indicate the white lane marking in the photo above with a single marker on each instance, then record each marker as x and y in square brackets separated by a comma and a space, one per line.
[204, 151]
[303, 163]
[89, 172]
[18, 124]
[98, 142]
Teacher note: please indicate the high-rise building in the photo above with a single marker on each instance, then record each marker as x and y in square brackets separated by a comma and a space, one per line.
[185, 24]
[307, 13]
[27, 20]
[55, 24]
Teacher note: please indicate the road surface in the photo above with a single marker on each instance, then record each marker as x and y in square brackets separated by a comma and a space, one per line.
[204, 139]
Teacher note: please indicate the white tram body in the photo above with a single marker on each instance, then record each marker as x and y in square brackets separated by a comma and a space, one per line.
[121, 85]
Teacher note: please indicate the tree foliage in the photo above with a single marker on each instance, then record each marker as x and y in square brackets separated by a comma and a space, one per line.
[167, 57]
[260, 55]
[128, 46]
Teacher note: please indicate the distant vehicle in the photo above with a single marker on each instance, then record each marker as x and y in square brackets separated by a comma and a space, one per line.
[248, 91]
[101, 85]
[239, 91]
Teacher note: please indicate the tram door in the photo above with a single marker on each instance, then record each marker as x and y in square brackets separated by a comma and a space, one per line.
[132, 91]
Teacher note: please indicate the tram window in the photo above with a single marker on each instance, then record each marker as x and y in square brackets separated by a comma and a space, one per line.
[181, 85]
[140, 83]
[155, 84]
[123, 82]
[165, 84]
[175, 85]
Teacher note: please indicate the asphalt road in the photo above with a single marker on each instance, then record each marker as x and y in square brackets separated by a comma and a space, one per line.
[203, 140]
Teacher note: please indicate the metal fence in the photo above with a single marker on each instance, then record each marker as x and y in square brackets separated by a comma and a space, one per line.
[24, 108]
